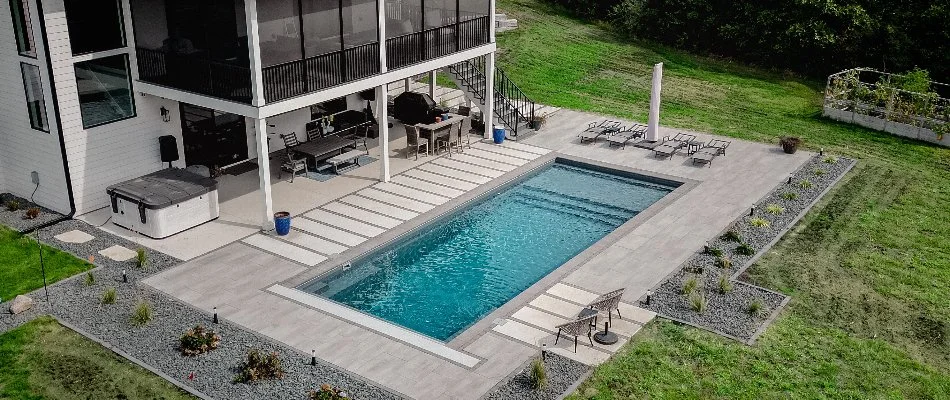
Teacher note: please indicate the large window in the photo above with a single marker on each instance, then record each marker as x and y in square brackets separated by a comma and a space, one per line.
[94, 25]
[359, 22]
[22, 27]
[35, 103]
[105, 90]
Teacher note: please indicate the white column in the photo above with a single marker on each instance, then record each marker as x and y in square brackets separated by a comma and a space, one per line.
[432, 86]
[491, 21]
[254, 46]
[488, 111]
[653, 124]
[263, 170]
[405, 87]
[383, 119]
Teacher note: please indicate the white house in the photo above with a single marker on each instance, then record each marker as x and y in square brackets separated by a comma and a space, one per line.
[89, 86]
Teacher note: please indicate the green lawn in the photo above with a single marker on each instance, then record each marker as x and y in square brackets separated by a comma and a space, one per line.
[868, 269]
[44, 360]
[20, 270]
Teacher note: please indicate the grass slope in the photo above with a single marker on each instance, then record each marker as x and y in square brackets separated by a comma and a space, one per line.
[44, 360]
[868, 269]
[20, 270]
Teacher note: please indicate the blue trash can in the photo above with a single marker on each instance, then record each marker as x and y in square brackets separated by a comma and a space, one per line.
[282, 223]
[498, 134]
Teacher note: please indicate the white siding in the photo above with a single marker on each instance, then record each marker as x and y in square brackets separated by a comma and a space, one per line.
[22, 148]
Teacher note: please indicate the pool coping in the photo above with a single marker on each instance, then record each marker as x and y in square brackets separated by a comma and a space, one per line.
[447, 210]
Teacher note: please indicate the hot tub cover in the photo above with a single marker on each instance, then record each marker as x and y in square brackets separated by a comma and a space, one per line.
[163, 188]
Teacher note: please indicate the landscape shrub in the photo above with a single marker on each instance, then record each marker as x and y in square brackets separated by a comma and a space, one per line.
[32, 213]
[713, 251]
[689, 285]
[790, 196]
[142, 313]
[724, 262]
[12, 205]
[539, 375]
[755, 308]
[732, 235]
[774, 209]
[697, 302]
[89, 279]
[260, 366]
[141, 258]
[759, 222]
[725, 286]
[805, 184]
[745, 249]
[198, 340]
[327, 392]
[108, 297]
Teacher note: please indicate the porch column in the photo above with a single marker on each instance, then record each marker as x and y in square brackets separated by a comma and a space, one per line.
[488, 112]
[432, 86]
[383, 118]
[263, 171]
[254, 49]
[653, 124]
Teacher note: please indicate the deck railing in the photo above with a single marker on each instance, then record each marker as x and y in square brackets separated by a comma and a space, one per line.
[294, 78]
[416, 47]
[194, 74]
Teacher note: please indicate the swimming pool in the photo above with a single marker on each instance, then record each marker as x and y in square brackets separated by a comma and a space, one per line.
[450, 274]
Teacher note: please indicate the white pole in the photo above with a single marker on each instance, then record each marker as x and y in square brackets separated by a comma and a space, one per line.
[432, 86]
[653, 125]
[254, 46]
[488, 111]
[383, 119]
[405, 86]
[263, 169]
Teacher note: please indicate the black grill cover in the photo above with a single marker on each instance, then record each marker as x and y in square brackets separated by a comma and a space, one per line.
[413, 108]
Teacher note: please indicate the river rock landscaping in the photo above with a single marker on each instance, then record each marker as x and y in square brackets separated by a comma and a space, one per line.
[78, 301]
[707, 291]
[562, 372]
[13, 213]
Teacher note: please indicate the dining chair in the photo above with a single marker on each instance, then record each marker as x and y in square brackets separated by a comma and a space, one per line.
[465, 130]
[292, 164]
[443, 137]
[413, 142]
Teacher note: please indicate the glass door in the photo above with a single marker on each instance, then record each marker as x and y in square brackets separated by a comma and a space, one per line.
[212, 138]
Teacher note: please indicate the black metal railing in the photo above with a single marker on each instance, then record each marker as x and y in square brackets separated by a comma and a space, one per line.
[298, 77]
[416, 47]
[511, 105]
[194, 74]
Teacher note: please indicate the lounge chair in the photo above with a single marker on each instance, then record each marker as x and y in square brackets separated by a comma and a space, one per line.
[622, 137]
[576, 328]
[671, 145]
[607, 302]
[710, 151]
[595, 131]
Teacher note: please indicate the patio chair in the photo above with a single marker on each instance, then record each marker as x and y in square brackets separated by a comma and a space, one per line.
[465, 110]
[292, 165]
[413, 142]
[451, 140]
[576, 328]
[607, 302]
[710, 151]
[593, 132]
[622, 137]
[670, 146]
[465, 130]
[441, 136]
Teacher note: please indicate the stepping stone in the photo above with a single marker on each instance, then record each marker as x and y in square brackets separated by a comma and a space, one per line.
[74, 236]
[585, 354]
[472, 168]
[404, 202]
[557, 306]
[539, 318]
[411, 193]
[362, 215]
[525, 147]
[427, 186]
[454, 173]
[344, 223]
[481, 162]
[317, 244]
[378, 206]
[118, 253]
[491, 156]
[636, 314]
[507, 151]
[441, 179]
[328, 232]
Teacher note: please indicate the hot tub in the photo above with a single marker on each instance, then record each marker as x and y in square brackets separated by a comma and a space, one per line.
[164, 203]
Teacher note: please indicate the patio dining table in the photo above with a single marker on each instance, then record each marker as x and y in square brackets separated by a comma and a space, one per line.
[439, 129]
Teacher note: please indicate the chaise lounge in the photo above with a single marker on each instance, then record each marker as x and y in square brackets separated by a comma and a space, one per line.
[671, 145]
[710, 151]
[624, 136]
[595, 131]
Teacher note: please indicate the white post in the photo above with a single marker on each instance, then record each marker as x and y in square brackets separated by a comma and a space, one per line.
[653, 124]
[254, 45]
[263, 170]
[405, 86]
[491, 21]
[383, 119]
[488, 111]
[432, 86]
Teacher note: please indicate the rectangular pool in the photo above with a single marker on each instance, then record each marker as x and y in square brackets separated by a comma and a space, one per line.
[452, 273]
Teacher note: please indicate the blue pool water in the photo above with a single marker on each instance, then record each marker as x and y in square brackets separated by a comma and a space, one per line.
[449, 275]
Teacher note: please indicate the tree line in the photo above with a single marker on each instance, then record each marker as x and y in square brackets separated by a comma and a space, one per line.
[813, 37]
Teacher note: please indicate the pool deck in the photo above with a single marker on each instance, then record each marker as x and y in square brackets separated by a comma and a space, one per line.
[249, 282]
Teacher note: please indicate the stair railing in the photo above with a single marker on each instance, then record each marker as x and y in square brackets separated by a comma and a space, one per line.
[511, 105]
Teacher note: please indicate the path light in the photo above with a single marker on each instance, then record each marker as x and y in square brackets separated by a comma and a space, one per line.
[313, 357]
[821, 151]
[125, 278]
[789, 179]
[752, 211]
[649, 297]
[544, 351]
[215, 318]
[706, 247]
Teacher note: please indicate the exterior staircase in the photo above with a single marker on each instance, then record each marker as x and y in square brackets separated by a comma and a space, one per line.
[512, 107]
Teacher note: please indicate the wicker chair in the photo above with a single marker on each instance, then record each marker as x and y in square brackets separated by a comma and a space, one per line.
[413, 142]
[607, 302]
[576, 328]
[465, 131]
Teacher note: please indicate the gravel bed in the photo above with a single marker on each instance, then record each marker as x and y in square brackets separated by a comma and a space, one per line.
[562, 372]
[156, 343]
[728, 313]
[17, 220]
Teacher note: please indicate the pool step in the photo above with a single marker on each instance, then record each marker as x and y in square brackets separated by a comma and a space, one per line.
[574, 210]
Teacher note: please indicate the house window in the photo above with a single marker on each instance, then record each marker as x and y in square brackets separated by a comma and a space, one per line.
[22, 27]
[105, 90]
[35, 103]
[94, 25]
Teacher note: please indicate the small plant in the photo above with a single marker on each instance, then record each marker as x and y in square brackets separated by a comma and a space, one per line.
[198, 340]
[759, 222]
[805, 184]
[830, 160]
[142, 313]
[89, 280]
[790, 196]
[745, 250]
[713, 251]
[724, 262]
[108, 297]
[820, 172]
[32, 213]
[725, 286]
[260, 366]
[539, 375]
[141, 258]
[733, 236]
[690, 285]
[755, 308]
[12, 205]
[774, 209]
[697, 302]
[327, 392]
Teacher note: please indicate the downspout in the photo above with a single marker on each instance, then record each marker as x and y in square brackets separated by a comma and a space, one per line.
[59, 127]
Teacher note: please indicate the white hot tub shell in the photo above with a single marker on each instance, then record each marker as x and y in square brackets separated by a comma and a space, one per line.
[164, 203]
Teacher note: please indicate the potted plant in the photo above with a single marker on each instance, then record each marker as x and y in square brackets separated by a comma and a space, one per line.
[537, 121]
[282, 223]
[790, 144]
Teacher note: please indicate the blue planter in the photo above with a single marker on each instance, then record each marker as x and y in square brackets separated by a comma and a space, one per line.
[498, 134]
[282, 223]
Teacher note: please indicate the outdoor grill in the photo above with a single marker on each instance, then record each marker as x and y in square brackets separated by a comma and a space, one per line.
[164, 203]
[412, 108]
